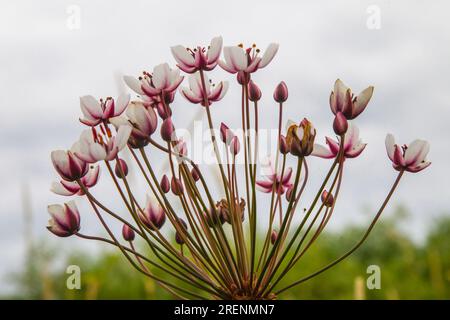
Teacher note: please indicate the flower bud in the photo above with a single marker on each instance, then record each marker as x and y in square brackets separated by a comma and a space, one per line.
[284, 148]
[167, 130]
[280, 94]
[327, 199]
[273, 237]
[178, 237]
[121, 168]
[164, 112]
[165, 184]
[195, 174]
[225, 134]
[153, 215]
[176, 186]
[235, 146]
[127, 233]
[254, 93]
[180, 148]
[340, 124]
[65, 220]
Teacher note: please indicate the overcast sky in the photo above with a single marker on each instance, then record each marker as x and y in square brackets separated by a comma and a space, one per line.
[46, 64]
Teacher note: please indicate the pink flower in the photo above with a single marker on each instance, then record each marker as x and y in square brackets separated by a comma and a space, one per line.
[195, 93]
[200, 58]
[163, 80]
[246, 60]
[96, 112]
[69, 188]
[154, 214]
[343, 100]
[273, 179]
[353, 146]
[410, 158]
[94, 146]
[68, 166]
[65, 220]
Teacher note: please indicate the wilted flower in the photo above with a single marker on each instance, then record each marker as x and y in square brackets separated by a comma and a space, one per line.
[162, 80]
[94, 146]
[69, 188]
[127, 233]
[343, 100]
[68, 166]
[96, 112]
[353, 146]
[213, 217]
[200, 58]
[247, 60]
[300, 138]
[196, 94]
[65, 220]
[274, 180]
[411, 158]
[153, 215]
[224, 211]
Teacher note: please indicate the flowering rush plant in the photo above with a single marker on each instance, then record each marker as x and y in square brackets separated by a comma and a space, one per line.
[209, 247]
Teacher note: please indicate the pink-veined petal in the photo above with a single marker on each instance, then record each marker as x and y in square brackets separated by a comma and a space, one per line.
[269, 54]
[322, 152]
[214, 50]
[90, 107]
[418, 167]
[134, 84]
[390, 146]
[238, 58]
[182, 56]
[121, 103]
[416, 152]
[122, 137]
[226, 67]
[356, 150]
[264, 186]
[361, 101]
[58, 188]
[190, 96]
[161, 74]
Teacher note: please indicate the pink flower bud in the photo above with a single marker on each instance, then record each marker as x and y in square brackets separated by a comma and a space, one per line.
[179, 238]
[340, 124]
[284, 148]
[235, 146]
[254, 93]
[327, 198]
[195, 174]
[167, 130]
[225, 134]
[121, 167]
[176, 186]
[281, 92]
[127, 233]
[273, 237]
[165, 184]
[163, 111]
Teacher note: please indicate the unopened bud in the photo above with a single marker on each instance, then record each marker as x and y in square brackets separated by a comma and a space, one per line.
[284, 148]
[167, 130]
[121, 169]
[225, 134]
[327, 199]
[176, 186]
[235, 146]
[280, 94]
[195, 174]
[254, 93]
[340, 124]
[165, 184]
[178, 237]
[273, 237]
[127, 233]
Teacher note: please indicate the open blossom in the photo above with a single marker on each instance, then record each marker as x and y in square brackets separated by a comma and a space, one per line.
[342, 99]
[353, 146]
[153, 215]
[246, 60]
[96, 112]
[65, 220]
[200, 58]
[196, 94]
[410, 158]
[94, 146]
[274, 180]
[163, 80]
[69, 188]
[68, 166]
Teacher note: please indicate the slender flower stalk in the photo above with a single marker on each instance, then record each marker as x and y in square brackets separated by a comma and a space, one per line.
[203, 243]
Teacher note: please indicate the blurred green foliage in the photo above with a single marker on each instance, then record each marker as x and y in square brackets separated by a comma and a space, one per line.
[408, 270]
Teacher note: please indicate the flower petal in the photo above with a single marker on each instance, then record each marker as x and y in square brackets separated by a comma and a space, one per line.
[182, 56]
[134, 84]
[361, 101]
[416, 152]
[214, 50]
[322, 152]
[269, 54]
[390, 146]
